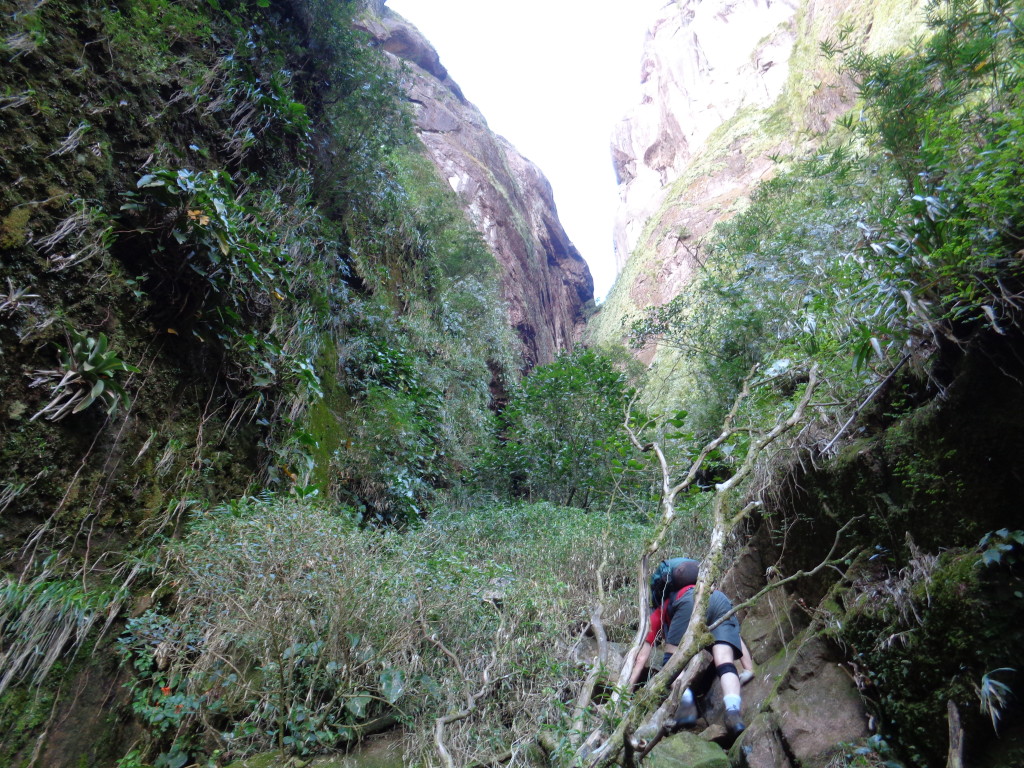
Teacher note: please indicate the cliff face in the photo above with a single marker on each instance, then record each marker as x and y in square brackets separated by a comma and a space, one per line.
[728, 85]
[691, 84]
[545, 281]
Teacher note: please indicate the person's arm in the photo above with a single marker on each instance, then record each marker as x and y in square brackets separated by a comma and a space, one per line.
[657, 620]
[641, 661]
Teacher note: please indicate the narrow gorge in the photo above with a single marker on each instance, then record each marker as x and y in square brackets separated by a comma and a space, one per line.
[318, 450]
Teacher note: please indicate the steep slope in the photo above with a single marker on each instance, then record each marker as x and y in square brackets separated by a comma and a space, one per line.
[714, 119]
[545, 281]
[228, 266]
[898, 652]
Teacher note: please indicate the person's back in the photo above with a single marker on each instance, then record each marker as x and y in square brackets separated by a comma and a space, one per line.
[726, 649]
[681, 607]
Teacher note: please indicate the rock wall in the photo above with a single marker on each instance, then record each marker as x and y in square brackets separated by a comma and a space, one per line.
[691, 84]
[729, 86]
[545, 281]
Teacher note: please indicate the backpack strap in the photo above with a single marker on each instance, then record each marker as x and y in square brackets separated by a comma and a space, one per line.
[675, 602]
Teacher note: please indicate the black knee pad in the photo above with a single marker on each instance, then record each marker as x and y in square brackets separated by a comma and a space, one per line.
[725, 669]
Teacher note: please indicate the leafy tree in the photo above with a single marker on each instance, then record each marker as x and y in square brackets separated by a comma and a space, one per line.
[950, 241]
[563, 431]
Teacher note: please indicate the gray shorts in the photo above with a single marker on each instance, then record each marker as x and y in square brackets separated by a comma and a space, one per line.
[727, 632]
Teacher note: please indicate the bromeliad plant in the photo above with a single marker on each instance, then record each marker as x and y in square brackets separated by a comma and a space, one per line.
[89, 372]
[221, 240]
[221, 271]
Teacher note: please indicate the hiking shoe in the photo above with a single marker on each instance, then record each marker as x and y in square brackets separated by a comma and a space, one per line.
[746, 676]
[734, 722]
[686, 714]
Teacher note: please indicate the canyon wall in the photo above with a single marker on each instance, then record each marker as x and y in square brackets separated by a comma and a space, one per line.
[545, 281]
[730, 87]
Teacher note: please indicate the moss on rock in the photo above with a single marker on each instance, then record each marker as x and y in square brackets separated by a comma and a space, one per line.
[687, 749]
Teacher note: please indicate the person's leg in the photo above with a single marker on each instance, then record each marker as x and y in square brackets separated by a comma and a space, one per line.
[747, 664]
[724, 656]
[686, 712]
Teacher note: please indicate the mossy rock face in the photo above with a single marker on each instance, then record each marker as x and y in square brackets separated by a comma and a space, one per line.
[934, 644]
[687, 749]
[267, 760]
[14, 228]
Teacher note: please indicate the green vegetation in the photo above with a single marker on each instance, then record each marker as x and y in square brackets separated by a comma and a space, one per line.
[869, 250]
[338, 507]
[880, 259]
[562, 437]
[87, 374]
[40, 618]
[946, 632]
[296, 628]
[288, 245]
[236, 244]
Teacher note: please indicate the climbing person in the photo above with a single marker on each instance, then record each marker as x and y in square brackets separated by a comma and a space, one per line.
[672, 617]
[663, 588]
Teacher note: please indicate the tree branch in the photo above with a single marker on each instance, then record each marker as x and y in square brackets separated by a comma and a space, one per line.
[696, 636]
[863, 405]
[471, 699]
[829, 561]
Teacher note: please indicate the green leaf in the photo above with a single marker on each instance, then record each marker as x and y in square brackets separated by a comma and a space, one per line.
[83, 404]
[430, 685]
[392, 683]
[357, 704]
[991, 556]
[679, 419]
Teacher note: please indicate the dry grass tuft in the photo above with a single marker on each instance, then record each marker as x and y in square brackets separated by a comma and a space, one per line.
[294, 628]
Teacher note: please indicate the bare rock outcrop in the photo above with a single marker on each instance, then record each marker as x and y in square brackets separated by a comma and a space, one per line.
[702, 63]
[728, 86]
[545, 281]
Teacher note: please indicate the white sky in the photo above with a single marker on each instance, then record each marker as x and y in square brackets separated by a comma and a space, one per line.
[552, 77]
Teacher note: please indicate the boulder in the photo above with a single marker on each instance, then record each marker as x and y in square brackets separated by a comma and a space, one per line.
[686, 749]
[801, 702]
[762, 745]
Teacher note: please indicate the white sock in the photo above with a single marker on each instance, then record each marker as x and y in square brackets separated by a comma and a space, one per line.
[687, 697]
[732, 702]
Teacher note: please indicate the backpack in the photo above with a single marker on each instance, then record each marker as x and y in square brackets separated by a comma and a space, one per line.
[661, 579]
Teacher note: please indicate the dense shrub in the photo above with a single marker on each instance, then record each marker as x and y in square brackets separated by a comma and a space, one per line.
[291, 626]
[562, 437]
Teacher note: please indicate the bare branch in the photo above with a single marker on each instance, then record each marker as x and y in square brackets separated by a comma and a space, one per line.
[471, 699]
[830, 560]
[587, 693]
[863, 405]
[696, 636]
[663, 720]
